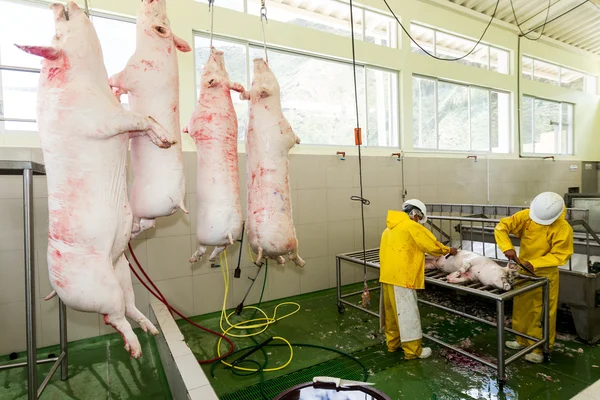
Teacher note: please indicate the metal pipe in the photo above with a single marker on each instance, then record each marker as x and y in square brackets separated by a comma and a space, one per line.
[358, 292]
[359, 308]
[18, 69]
[338, 277]
[522, 352]
[49, 376]
[24, 364]
[546, 311]
[459, 350]
[500, 339]
[29, 285]
[62, 322]
[17, 120]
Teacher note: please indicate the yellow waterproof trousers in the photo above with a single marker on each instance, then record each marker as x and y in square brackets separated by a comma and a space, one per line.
[412, 349]
[527, 310]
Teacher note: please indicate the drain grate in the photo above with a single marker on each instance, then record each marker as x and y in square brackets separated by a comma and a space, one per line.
[374, 358]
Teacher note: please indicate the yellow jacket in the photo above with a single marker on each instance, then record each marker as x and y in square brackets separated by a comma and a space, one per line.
[543, 246]
[402, 251]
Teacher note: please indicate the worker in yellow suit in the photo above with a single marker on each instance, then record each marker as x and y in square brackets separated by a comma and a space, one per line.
[402, 271]
[546, 243]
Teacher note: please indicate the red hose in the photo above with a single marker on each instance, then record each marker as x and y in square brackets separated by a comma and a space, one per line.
[163, 300]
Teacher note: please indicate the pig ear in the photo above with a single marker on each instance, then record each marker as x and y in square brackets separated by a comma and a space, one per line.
[181, 44]
[49, 53]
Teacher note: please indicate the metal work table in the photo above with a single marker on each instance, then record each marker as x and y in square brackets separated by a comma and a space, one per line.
[27, 170]
[522, 285]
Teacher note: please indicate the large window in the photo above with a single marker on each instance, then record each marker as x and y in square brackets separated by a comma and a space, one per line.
[547, 127]
[19, 72]
[556, 75]
[449, 46]
[456, 117]
[331, 16]
[317, 94]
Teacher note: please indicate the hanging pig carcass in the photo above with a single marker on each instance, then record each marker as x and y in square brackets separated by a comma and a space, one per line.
[84, 134]
[151, 78]
[214, 128]
[270, 137]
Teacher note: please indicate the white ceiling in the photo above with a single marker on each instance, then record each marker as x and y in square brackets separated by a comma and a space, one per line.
[578, 28]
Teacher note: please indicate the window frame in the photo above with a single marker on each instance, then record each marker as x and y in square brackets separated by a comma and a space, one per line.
[248, 44]
[489, 46]
[560, 67]
[437, 125]
[570, 139]
[15, 68]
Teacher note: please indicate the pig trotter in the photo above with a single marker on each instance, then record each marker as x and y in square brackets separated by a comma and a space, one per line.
[297, 260]
[280, 260]
[259, 257]
[197, 256]
[132, 344]
[237, 88]
[230, 239]
[183, 208]
[218, 250]
[297, 139]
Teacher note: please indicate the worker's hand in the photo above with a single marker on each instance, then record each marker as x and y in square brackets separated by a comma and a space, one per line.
[453, 251]
[511, 255]
[527, 264]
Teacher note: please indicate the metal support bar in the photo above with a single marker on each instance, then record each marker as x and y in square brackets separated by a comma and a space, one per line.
[24, 364]
[17, 120]
[62, 322]
[51, 373]
[30, 333]
[500, 338]
[19, 69]
[459, 350]
[373, 313]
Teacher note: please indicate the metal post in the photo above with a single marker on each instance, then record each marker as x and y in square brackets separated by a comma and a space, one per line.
[546, 323]
[62, 317]
[29, 285]
[500, 316]
[338, 276]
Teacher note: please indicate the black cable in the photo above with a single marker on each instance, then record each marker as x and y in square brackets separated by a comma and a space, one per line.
[519, 25]
[539, 12]
[358, 137]
[433, 55]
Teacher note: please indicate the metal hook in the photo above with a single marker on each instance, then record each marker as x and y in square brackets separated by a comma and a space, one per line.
[263, 19]
[211, 8]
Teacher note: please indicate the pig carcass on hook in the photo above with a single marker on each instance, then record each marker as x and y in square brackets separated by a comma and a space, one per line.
[151, 78]
[467, 266]
[270, 137]
[214, 128]
[84, 134]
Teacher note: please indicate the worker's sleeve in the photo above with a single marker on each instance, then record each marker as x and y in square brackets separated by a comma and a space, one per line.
[561, 251]
[505, 227]
[426, 242]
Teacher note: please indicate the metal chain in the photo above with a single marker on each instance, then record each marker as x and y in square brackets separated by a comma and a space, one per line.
[263, 20]
[211, 8]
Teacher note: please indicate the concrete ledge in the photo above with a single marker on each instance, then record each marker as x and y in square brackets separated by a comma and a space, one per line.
[591, 393]
[186, 378]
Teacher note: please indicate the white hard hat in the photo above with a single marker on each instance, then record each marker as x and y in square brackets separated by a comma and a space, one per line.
[546, 208]
[418, 204]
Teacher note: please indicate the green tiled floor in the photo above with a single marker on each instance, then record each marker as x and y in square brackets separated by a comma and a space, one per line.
[99, 368]
[573, 366]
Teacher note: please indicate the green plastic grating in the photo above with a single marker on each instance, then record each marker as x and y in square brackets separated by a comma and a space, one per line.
[374, 358]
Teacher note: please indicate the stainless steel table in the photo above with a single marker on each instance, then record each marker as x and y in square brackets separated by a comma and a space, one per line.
[27, 170]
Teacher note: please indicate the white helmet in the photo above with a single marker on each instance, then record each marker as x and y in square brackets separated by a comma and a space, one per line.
[417, 204]
[546, 208]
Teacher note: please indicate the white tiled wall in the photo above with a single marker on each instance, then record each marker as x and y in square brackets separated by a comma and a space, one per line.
[327, 223]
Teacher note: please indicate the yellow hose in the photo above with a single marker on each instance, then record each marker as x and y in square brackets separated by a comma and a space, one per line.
[256, 323]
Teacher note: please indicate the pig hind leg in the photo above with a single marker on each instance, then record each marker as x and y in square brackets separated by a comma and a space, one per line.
[297, 260]
[216, 252]
[124, 277]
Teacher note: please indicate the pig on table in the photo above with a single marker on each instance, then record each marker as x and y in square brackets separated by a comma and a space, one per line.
[84, 134]
[151, 78]
[441, 263]
[467, 266]
[271, 231]
[214, 128]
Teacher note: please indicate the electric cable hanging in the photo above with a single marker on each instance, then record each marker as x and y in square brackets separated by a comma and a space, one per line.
[433, 55]
[263, 20]
[366, 296]
[519, 24]
[211, 9]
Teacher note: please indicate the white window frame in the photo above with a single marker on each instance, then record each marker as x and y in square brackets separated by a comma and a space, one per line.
[437, 124]
[248, 44]
[489, 46]
[558, 140]
[393, 37]
[3, 67]
[560, 72]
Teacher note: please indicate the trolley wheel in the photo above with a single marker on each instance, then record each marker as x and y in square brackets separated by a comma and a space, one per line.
[546, 357]
[341, 308]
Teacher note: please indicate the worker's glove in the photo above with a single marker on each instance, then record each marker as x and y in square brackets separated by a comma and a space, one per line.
[511, 255]
[453, 251]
